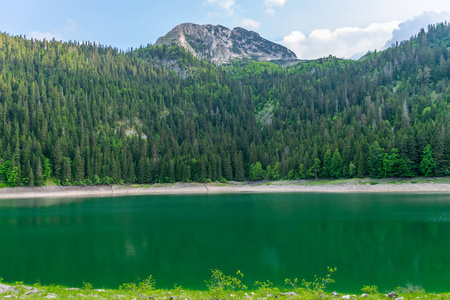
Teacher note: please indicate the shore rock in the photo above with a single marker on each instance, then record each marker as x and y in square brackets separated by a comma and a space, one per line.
[289, 294]
[7, 288]
[392, 295]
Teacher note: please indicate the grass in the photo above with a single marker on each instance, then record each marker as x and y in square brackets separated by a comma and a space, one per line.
[219, 286]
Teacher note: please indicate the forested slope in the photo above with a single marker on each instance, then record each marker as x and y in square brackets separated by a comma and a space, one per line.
[89, 114]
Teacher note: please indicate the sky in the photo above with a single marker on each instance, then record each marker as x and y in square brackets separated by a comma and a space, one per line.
[310, 28]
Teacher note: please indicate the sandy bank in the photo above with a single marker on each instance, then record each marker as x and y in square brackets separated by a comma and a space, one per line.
[215, 188]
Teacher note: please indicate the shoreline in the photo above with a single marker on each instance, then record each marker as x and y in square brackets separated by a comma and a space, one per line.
[180, 188]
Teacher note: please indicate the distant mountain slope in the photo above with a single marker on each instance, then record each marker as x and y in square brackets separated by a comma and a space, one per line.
[220, 44]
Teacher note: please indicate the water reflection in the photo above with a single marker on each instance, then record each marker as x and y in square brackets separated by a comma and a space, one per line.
[38, 202]
[386, 240]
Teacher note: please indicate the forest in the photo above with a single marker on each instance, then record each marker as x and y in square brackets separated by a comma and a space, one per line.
[76, 113]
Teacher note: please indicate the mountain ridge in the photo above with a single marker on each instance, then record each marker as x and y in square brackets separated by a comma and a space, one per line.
[221, 44]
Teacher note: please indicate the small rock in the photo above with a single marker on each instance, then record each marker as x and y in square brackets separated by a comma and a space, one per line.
[253, 294]
[334, 294]
[173, 298]
[269, 295]
[400, 298]
[231, 295]
[7, 288]
[81, 295]
[72, 289]
[289, 294]
[346, 297]
[51, 296]
[392, 295]
[100, 290]
[364, 295]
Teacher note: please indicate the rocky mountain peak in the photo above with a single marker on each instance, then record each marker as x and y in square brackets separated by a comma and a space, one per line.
[221, 44]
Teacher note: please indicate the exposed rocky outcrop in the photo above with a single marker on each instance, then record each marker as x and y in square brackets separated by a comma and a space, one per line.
[220, 44]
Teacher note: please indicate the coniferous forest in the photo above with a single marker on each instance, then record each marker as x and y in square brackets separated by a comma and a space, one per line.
[82, 113]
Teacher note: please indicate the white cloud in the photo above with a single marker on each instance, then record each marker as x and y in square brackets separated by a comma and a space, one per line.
[270, 11]
[70, 27]
[249, 23]
[275, 2]
[37, 35]
[226, 5]
[294, 38]
[347, 42]
[411, 27]
[67, 30]
[270, 4]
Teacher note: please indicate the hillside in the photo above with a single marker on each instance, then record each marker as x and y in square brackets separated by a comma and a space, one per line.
[89, 114]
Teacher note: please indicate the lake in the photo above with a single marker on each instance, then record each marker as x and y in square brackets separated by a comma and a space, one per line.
[387, 240]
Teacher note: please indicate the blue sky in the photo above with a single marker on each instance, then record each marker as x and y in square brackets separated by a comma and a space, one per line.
[312, 29]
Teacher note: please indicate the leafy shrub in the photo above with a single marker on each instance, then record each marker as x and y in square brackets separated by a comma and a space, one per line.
[370, 289]
[315, 288]
[141, 288]
[220, 283]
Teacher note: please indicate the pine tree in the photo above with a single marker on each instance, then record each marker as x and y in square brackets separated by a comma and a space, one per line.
[239, 167]
[326, 168]
[66, 171]
[79, 167]
[39, 173]
[376, 155]
[227, 168]
[336, 165]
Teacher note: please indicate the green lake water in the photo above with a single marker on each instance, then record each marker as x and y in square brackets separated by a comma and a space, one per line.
[386, 240]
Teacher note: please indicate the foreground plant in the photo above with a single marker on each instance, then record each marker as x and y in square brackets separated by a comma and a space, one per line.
[221, 285]
[266, 288]
[370, 289]
[141, 289]
[315, 289]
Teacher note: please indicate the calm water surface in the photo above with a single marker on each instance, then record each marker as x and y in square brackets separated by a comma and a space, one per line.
[381, 239]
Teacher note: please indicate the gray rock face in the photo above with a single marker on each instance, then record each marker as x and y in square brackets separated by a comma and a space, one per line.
[220, 44]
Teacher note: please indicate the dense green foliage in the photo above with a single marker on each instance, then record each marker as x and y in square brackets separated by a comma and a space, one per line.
[89, 114]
